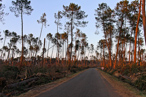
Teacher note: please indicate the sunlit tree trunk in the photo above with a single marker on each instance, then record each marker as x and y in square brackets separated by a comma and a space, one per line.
[136, 32]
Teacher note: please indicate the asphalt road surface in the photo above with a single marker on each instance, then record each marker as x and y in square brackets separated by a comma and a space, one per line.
[87, 84]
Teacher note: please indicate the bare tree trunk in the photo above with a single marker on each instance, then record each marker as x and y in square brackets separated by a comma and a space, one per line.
[138, 48]
[79, 54]
[21, 60]
[144, 18]
[71, 36]
[142, 57]
[110, 48]
[63, 50]
[51, 55]
[9, 53]
[12, 57]
[130, 49]
[48, 48]
[41, 32]
[103, 57]
[136, 33]
[118, 45]
[31, 53]
[116, 53]
[43, 53]
[67, 48]
[3, 46]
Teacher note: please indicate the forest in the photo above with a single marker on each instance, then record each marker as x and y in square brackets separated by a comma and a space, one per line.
[26, 59]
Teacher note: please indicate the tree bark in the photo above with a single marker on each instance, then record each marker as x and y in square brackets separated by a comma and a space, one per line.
[136, 33]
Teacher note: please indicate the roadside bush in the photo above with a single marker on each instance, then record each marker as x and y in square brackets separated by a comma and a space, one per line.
[9, 72]
[134, 68]
[125, 70]
[74, 66]
[105, 69]
[74, 70]
[141, 83]
[142, 68]
[113, 71]
[58, 70]
[42, 80]
[40, 70]
[79, 68]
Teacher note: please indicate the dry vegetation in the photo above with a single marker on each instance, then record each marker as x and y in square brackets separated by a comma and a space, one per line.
[15, 80]
[133, 74]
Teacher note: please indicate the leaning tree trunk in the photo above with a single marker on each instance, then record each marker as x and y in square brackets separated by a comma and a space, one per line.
[41, 32]
[136, 33]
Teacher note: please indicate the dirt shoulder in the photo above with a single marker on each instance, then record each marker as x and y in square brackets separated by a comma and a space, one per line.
[122, 88]
[46, 87]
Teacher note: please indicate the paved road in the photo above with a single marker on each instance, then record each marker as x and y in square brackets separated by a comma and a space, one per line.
[87, 84]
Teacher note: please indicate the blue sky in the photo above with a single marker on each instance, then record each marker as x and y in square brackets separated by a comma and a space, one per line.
[50, 7]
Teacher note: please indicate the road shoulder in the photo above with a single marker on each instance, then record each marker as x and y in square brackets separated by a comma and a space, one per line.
[122, 88]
